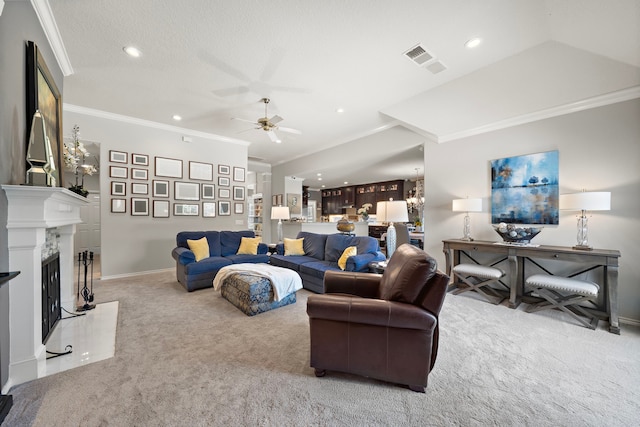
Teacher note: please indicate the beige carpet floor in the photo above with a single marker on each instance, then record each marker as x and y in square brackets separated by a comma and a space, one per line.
[192, 359]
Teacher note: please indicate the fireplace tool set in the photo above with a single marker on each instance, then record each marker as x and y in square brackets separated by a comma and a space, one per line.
[85, 259]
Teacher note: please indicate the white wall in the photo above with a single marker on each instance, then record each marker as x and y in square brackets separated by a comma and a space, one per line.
[599, 150]
[135, 244]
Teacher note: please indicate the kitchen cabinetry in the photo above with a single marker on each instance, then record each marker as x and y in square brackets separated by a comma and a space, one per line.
[334, 200]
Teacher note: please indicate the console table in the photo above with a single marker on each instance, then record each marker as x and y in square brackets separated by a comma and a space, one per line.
[517, 257]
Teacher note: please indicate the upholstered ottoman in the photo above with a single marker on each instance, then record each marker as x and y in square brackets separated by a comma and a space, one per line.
[252, 292]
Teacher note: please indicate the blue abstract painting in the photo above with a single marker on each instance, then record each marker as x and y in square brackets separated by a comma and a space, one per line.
[524, 189]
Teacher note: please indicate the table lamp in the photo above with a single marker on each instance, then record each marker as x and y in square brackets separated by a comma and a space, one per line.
[585, 201]
[467, 205]
[392, 211]
[280, 213]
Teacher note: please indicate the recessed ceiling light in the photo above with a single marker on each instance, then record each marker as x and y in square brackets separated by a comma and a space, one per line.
[346, 182]
[278, 141]
[319, 179]
[319, 174]
[474, 42]
[132, 51]
[323, 185]
[340, 110]
[177, 117]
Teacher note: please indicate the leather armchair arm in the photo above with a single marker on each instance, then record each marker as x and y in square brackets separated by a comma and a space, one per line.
[344, 308]
[364, 285]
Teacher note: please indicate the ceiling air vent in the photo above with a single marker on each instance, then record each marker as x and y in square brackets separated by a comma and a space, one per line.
[418, 55]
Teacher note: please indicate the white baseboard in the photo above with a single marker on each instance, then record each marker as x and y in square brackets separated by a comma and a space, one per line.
[627, 321]
[138, 273]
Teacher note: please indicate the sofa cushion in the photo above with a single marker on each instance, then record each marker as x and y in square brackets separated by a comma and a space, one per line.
[317, 269]
[407, 272]
[207, 265]
[254, 259]
[313, 244]
[230, 241]
[337, 243]
[292, 262]
[350, 251]
[249, 246]
[293, 247]
[213, 238]
[200, 248]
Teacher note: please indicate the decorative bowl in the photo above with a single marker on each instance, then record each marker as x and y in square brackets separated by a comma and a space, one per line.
[345, 226]
[513, 234]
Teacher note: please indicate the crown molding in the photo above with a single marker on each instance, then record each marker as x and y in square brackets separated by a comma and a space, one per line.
[572, 107]
[48, 24]
[148, 123]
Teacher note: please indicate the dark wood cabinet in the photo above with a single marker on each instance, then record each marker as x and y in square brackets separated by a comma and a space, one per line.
[334, 200]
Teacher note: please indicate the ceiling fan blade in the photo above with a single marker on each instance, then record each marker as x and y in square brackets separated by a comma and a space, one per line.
[276, 119]
[273, 136]
[244, 120]
[289, 130]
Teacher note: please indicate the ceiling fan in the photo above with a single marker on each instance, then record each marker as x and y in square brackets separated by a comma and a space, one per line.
[270, 125]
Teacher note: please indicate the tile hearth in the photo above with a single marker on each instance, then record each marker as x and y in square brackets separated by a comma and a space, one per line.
[92, 337]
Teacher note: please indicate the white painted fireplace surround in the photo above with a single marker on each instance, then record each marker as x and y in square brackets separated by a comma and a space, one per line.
[31, 211]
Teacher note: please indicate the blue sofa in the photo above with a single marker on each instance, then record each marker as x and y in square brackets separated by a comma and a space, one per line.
[322, 252]
[223, 246]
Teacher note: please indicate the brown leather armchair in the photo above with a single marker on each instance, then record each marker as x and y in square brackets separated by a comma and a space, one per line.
[380, 326]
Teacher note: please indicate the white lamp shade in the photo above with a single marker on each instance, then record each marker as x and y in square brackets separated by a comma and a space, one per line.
[586, 201]
[467, 205]
[396, 211]
[280, 212]
[381, 211]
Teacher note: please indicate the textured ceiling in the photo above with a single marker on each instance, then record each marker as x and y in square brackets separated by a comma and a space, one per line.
[211, 60]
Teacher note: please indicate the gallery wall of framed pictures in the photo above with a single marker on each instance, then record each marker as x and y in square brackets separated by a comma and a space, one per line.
[162, 187]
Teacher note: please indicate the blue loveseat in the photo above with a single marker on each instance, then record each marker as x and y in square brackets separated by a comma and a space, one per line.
[322, 252]
[223, 246]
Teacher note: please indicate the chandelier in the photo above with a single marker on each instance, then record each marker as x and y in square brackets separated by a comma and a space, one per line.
[415, 197]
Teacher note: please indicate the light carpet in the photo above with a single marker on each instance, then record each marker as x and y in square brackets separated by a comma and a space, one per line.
[193, 359]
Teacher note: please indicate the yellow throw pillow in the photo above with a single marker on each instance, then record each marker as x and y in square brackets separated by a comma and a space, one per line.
[293, 246]
[248, 246]
[200, 248]
[350, 251]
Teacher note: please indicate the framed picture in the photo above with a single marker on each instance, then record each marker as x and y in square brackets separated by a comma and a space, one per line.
[139, 159]
[223, 181]
[118, 188]
[238, 174]
[294, 201]
[139, 173]
[161, 209]
[208, 191]
[274, 200]
[171, 168]
[160, 188]
[118, 205]
[238, 193]
[186, 190]
[278, 199]
[139, 206]
[201, 171]
[224, 170]
[118, 172]
[524, 189]
[224, 193]
[209, 209]
[238, 208]
[43, 95]
[185, 209]
[224, 208]
[118, 156]
[139, 188]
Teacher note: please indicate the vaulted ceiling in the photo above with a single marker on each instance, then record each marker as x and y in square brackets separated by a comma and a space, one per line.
[210, 61]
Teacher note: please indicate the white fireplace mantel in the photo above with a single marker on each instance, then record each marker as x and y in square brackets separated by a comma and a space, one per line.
[30, 212]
